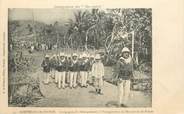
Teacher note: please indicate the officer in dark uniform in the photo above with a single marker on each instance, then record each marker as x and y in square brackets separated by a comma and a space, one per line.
[124, 75]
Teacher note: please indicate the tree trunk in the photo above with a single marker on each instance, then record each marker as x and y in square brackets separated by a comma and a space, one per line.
[137, 58]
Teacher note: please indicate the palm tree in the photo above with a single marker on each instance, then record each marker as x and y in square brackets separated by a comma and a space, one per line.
[97, 28]
[77, 28]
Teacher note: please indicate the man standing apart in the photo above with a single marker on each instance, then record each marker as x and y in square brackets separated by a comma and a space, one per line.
[46, 69]
[98, 73]
[124, 74]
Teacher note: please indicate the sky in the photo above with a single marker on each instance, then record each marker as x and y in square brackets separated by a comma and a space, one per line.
[48, 16]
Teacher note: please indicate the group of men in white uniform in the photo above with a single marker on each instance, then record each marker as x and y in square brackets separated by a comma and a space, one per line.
[77, 70]
[74, 71]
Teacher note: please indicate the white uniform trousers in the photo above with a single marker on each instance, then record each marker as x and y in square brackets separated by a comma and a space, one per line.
[56, 76]
[98, 83]
[61, 78]
[90, 78]
[84, 76]
[68, 76]
[53, 71]
[79, 78]
[73, 79]
[123, 91]
[46, 77]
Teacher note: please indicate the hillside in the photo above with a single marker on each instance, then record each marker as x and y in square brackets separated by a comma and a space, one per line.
[25, 29]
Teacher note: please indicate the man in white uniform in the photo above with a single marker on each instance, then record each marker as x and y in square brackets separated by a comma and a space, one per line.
[62, 66]
[84, 68]
[73, 67]
[68, 72]
[56, 68]
[90, 77]
[98, 73]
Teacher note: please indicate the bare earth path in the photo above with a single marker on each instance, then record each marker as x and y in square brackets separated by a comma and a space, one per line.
[82, 97]
[85, 97]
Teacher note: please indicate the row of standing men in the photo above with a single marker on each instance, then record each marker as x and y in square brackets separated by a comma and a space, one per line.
[76, 70]
[82, 68]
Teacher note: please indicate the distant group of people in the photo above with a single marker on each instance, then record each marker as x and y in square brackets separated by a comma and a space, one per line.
[77, 70]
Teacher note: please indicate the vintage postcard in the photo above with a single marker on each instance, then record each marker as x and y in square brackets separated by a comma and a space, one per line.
[85, 58]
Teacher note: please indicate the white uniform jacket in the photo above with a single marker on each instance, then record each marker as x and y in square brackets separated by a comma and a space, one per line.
[98, 70]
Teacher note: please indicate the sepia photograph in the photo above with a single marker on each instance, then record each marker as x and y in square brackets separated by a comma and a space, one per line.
[80, 57]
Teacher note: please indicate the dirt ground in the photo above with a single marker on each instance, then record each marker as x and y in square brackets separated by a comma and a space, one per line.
[81, 97]
[86, 97]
